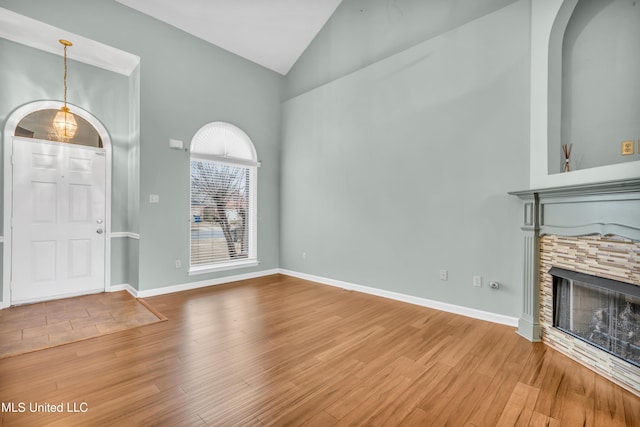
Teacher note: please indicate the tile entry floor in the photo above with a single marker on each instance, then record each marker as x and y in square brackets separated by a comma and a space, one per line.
[41, 325]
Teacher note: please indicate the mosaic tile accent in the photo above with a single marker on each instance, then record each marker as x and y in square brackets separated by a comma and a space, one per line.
[611, 257]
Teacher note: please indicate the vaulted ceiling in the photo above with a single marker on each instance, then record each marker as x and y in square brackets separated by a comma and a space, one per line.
[272, 33]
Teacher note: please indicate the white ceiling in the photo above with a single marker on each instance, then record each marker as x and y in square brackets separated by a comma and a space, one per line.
[272, 33]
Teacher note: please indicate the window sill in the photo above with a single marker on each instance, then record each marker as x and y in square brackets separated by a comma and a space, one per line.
[209, 268]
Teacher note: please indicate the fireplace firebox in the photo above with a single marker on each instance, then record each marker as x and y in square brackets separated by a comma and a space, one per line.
[602, 312]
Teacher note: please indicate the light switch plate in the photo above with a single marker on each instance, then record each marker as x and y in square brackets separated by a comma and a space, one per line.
[154, 198]
[477, 281]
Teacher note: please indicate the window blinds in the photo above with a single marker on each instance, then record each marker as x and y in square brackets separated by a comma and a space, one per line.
[219, 212]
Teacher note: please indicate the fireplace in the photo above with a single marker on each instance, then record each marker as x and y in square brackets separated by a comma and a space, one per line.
[602, 312]
[581, 275]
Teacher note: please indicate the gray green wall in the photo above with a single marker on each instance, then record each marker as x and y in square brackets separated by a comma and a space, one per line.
[186, 83]
[401, 168]
[183, 83]
[402, 131]
[600, 84]
[362, 32]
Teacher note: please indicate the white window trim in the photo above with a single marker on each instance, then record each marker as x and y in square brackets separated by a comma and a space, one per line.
[222, 266]
[225, 160]
[251, 164]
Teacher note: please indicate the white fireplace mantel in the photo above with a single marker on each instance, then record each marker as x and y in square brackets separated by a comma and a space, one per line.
[605, 208]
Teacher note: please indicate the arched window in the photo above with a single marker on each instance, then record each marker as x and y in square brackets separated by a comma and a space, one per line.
[223, 199]
[39, 125]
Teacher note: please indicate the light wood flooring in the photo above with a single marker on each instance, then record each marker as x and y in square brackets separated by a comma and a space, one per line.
[282, 351]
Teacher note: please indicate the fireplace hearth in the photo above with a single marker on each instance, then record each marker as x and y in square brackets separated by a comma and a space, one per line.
[602, 312]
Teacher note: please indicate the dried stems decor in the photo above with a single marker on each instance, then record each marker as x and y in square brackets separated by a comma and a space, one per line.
[566, 150]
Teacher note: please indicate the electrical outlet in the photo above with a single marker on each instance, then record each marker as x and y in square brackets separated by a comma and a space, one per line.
[154, 198]
[444, 275]
[477, 281]
[304, 255]
[178, 263]
[627, 147]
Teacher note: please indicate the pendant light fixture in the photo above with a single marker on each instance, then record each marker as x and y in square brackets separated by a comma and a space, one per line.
[64, 123]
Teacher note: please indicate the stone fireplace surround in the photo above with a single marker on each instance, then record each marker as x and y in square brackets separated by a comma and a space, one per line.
[589, 228]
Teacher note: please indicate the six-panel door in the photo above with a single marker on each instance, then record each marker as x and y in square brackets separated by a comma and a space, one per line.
[58, 236]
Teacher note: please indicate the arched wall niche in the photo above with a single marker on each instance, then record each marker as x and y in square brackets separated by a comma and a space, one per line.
[549, 22]
[600, 85]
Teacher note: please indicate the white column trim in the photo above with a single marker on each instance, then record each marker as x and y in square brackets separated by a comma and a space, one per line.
[39, 35]
[119, 234]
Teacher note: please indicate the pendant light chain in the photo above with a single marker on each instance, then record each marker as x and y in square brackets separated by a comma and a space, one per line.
[65, 74]
[64, 123]
[66, 44]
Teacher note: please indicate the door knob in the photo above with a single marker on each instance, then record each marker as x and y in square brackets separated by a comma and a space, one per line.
[99, 231]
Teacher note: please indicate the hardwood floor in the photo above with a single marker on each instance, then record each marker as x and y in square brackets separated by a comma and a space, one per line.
[282, 351]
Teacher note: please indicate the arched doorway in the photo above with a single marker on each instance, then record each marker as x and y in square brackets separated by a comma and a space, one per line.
[57, 204]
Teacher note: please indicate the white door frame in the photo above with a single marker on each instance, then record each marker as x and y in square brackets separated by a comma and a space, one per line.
[9, 130]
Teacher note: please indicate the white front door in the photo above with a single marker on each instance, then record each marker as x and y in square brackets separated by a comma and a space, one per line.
[58, 229]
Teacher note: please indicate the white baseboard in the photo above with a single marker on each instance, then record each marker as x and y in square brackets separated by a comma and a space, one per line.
[123, 287]
[443, 306]
[424, 302]
[201, 284]
[183, 287]
[450, 308]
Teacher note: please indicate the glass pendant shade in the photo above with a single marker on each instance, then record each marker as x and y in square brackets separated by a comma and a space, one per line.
[65, 124]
